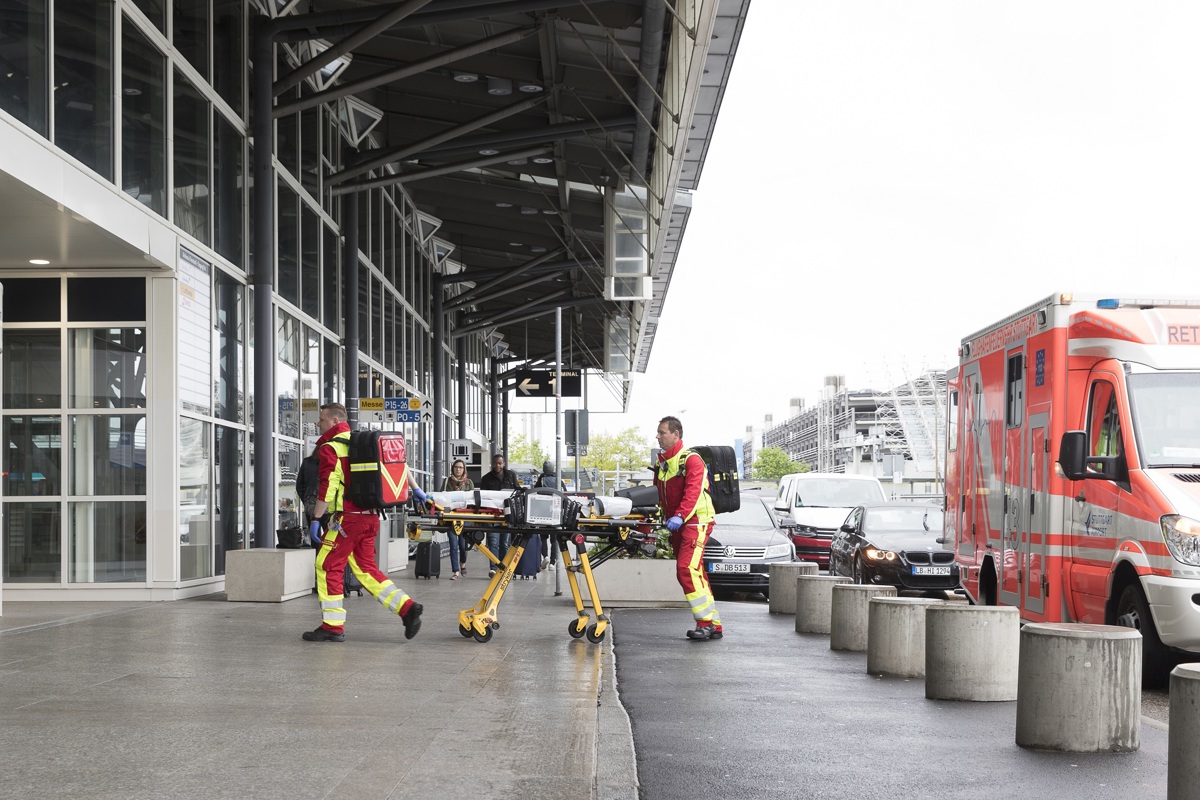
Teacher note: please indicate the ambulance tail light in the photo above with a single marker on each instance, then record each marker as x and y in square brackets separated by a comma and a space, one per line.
[1182, 535]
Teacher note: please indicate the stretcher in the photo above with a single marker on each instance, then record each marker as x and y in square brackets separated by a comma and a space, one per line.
[580, 520]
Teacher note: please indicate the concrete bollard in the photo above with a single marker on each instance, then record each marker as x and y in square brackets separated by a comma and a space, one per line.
[971, 652]
[1079, 688]
[848, 615]
[896, 636]
[1183, 758]
[781, 590]
[814, 598]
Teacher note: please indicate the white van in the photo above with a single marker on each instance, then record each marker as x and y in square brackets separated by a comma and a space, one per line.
[815, 504]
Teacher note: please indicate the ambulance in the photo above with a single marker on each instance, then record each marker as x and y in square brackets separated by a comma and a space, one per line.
[1073, 467]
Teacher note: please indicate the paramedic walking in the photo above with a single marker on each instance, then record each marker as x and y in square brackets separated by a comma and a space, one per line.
[347, 534]
[682, 482]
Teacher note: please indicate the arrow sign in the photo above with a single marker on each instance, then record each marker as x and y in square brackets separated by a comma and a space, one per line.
[540, 383]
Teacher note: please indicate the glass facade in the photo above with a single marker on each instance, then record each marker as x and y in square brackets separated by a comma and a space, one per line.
[153, 97]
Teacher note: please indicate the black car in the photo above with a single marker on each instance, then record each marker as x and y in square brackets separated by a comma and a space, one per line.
[896, 544]
[743, 544]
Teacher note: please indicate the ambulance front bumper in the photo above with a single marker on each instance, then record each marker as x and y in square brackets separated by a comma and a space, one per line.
[1175, 605]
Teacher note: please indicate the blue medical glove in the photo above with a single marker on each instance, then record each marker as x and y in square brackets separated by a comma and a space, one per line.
[674, 523]
[314, 531]
[422, 498]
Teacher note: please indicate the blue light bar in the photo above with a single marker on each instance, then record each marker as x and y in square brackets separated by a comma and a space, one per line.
[1109, 302]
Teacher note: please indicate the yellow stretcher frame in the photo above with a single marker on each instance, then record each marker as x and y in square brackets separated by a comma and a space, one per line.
[483, 619]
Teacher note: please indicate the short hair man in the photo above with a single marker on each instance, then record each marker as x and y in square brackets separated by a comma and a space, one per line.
[499, 479]
[682, 482]
[347, 535]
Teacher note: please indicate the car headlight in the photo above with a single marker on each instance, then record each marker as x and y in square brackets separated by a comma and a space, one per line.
[875, 554]
[1183, 538]
[778, 551]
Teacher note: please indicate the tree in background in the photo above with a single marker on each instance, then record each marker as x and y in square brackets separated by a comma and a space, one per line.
[523, 451]
[772, 464]
[632, 447]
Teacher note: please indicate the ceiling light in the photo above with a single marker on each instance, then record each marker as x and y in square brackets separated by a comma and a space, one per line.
[528, 87]
[543, 160]
[537, 248]
[499, 86]
[38, 261]
[528, 210]
[488, 151]
[515, 244]
[519, 161]
[465, 77]
[503, 204]
[549, 211]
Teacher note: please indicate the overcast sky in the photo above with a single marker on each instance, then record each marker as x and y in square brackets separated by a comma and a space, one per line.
[887, 177]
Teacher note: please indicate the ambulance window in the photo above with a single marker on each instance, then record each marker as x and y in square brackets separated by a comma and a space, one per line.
[1104, 421]
[1015, 393]
[952, 422]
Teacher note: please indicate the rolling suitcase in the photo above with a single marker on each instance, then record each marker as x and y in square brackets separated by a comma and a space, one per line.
[351, 583]
[531, 560]
[429, 560]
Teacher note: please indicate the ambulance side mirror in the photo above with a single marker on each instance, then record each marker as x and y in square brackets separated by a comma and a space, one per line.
[1077, 465]
[1071, 451]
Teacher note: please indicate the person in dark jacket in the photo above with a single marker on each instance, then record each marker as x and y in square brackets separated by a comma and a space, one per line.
[499, 479]
[306, 488]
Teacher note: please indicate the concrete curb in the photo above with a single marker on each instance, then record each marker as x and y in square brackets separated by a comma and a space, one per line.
[616, 776]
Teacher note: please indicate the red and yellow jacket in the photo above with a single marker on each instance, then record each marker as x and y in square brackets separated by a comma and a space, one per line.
[682, 482]
[333, 457]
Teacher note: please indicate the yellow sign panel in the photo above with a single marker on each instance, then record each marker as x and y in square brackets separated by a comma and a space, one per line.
[414, 403]
[309, 405]
[370, 404]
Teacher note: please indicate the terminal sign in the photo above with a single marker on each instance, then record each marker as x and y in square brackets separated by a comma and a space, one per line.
[540, 383]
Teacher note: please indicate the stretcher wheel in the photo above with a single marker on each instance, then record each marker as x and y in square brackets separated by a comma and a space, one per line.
[465, 631]
[483, 638]
[576, 628]
[593, 637]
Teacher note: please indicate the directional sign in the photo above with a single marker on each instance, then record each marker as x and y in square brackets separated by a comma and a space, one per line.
[540, 383]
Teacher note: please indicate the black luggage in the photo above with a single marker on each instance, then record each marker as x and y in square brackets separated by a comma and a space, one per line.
[531, 560]
[429, 560]
[351, 583]
[722, 476]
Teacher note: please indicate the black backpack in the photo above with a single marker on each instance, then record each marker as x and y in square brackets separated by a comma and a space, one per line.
[721, 462]
[378, 476]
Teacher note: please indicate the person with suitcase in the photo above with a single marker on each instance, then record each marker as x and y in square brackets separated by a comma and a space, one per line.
[347, 534]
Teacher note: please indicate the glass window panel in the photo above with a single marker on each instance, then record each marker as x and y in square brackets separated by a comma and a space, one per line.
[192, 149]
[104, 299]
[390, 334]
[108, 368]
[228, 479]
[331, 385]
[330, 282]
[310, 383]
[32, 364]
[289, 503]
[190, 21]
[230, 355]
[155, 11]
[23, 51]
[32, 542]
[376, 319]
[310, 149]
[32, 299]
[83, 83]
[364, 308]
[194, 361]
[229, 51]
[32, 462]
[195, 501]
[108, 542]
[389, 246]
[143, 121]
[310, 261]
[289, 243]
[108, 454]
[287, 375]
[229, 202]
[364, 222]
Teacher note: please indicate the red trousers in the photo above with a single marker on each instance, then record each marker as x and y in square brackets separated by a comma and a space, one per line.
[351, 540]
[688, 543]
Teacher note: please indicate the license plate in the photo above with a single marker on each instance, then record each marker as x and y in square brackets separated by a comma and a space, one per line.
[715, 567]
[931, 570]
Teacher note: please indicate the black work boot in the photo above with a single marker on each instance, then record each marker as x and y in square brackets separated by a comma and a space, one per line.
[704, 632]
[322, 635]
[412, 620]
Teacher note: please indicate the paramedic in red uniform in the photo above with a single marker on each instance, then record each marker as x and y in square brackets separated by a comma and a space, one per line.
[682, 482]
[347, 534]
